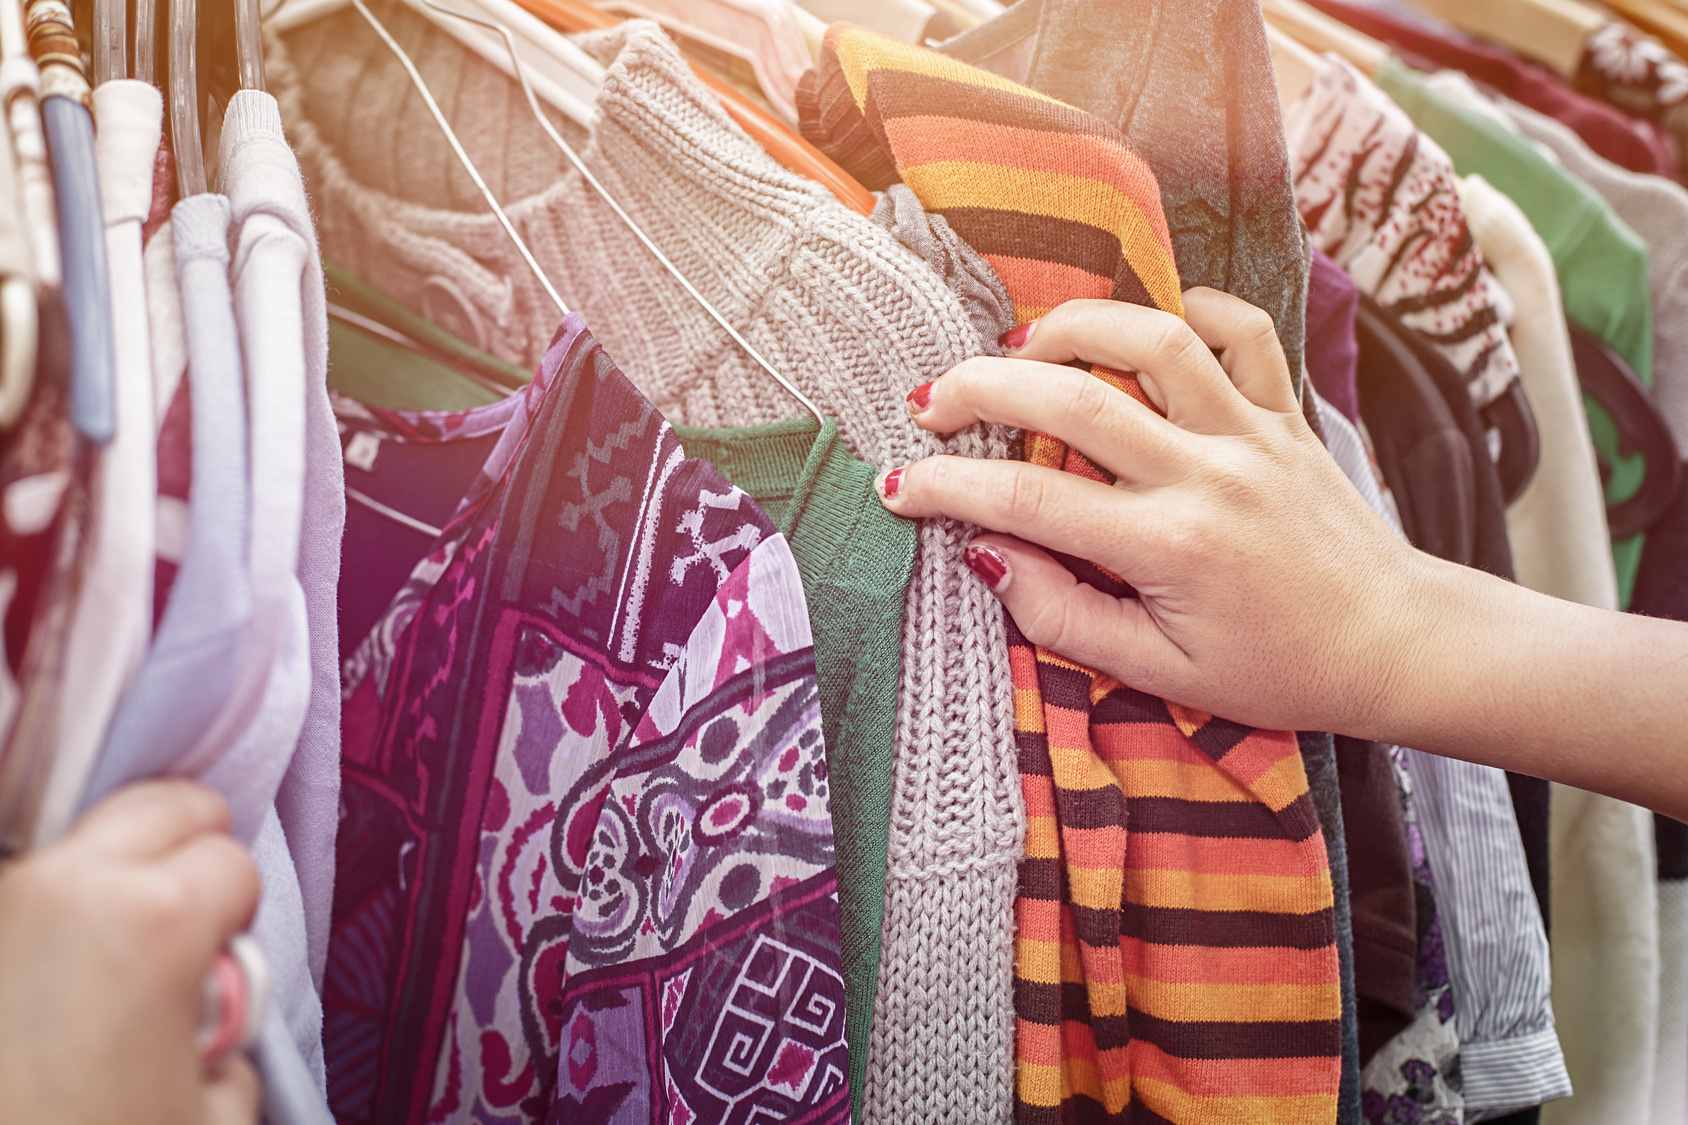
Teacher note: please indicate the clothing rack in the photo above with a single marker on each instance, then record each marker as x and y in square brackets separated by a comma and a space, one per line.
[455, 429]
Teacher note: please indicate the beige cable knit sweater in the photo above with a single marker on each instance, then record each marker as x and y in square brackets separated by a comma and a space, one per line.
[851, 316]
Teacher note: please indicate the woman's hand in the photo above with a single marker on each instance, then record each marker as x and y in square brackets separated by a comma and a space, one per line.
[105, 941]
[1268, 591]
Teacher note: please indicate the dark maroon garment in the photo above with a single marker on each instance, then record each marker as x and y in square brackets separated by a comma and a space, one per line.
[1630, 142]
[1332, 353]
[1381, 891]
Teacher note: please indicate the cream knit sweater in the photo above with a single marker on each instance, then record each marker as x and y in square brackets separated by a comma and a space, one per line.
[837, 304]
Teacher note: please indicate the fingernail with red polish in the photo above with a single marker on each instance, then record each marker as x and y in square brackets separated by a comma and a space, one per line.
[1015, 338]
[988, 564]
[920, 398]
[891, 483]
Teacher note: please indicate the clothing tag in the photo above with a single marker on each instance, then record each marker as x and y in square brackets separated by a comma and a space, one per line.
[362, 451]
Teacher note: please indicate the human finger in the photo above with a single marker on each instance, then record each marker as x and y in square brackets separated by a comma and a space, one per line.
[232, 1093]
[1054, 610]
[1062, 511]
[1113, 429]
[149, 819]
[221, 882]
[1246, 343]
[1175, 368]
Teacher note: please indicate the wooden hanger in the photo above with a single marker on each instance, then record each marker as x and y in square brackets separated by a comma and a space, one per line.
[764, 128]
[1293, 65]
[1551, 32]
[1666, 19]
[1321, 33]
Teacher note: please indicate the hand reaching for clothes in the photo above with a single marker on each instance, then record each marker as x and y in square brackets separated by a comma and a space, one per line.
[1269, 592]
[105, 941]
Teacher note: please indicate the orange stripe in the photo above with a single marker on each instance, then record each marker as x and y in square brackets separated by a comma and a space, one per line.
[1236, 1003]
[1170, 851]
[1043, 837]
[1035, 282]
[1198, 890]
[1159, 1074]
[1196, 964]
[924, 140]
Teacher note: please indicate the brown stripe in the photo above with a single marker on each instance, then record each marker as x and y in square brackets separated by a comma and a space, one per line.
[1042, 879]
[1128, 705]
[1265, 1040]
[1217, 737]
[1225, 929]
[1034, 753]
[1063, 687]
[1017, 234]
[1223, 820]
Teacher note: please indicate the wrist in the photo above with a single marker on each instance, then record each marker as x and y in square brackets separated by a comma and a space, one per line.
[1424, 634]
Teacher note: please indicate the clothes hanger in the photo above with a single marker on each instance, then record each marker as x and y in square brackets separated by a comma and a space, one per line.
[586, 174]
[462, 156]
[1666, 19]
[19, 309]
[1320, 33]
[1512, 418]
[248, 44]
[1549, 31]
[69, 129]
[146, 40]
[1293, 66]
[111, 40]
[776, 138]
[565, 77]
[187, 143]
[764, 34]
[20, 88]
[1605, 377]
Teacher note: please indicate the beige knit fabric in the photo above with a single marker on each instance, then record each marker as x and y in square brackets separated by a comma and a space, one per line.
[851, 316]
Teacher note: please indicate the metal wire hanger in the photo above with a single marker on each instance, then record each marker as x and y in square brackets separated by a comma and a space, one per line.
[586, 174]
[462, 156]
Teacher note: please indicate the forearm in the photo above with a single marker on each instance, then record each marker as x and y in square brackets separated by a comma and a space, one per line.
[1498, 674]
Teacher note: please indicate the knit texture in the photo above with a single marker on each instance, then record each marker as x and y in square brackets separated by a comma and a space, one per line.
[836, 304]
[1152, 967]
[855, 559]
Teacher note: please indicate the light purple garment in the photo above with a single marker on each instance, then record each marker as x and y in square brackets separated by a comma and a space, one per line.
[181, 688]
[265, 184]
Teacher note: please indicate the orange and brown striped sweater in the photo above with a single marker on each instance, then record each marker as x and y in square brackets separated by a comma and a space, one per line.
[1175, 944]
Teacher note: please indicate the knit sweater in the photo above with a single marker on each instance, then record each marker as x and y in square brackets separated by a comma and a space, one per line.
[835, 303]
[1171, 857]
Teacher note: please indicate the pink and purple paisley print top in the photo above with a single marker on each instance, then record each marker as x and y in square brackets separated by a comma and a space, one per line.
[586, 854]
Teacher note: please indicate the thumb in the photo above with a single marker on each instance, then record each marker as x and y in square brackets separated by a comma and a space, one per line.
[1075, 620]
